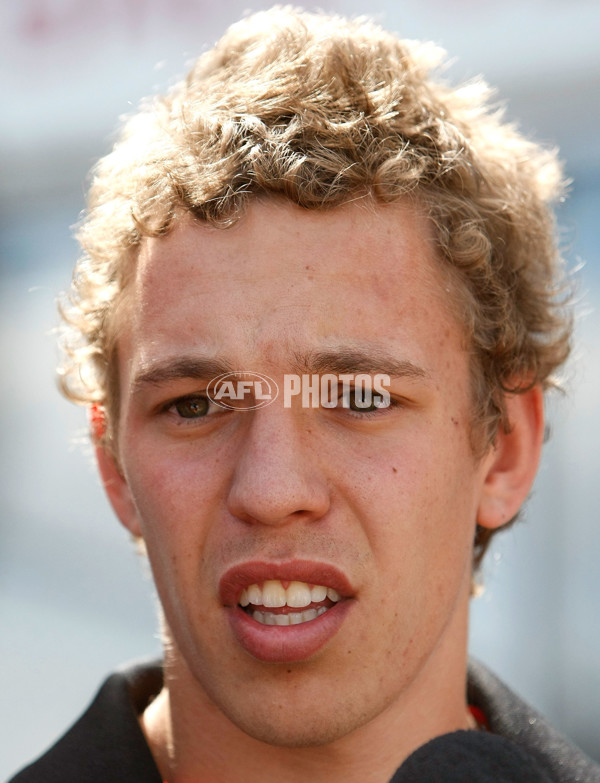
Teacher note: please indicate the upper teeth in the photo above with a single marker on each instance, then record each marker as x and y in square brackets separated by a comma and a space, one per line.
[273, 594]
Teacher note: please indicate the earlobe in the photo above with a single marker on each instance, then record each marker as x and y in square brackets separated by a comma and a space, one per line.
[117, 491]
[511, 465]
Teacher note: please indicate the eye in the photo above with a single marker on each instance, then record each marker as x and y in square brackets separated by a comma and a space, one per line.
[193, 407]
[366, 401]
[363, 400]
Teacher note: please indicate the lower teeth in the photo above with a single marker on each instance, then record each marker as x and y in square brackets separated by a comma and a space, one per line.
[293, 618]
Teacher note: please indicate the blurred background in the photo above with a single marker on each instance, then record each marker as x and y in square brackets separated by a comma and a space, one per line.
[75, 599]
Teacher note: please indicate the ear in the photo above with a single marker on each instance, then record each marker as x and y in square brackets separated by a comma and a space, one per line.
[117, 490]
[512, 463]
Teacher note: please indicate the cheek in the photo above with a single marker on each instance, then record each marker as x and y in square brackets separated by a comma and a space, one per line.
[419, 515]
[172, 501]
[168, 504]
[171, 481]
[412, 485]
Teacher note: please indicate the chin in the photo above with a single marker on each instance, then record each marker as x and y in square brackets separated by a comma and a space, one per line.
[296, 735]
[294, 725]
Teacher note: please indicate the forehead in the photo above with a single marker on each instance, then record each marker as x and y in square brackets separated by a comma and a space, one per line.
[285, 280]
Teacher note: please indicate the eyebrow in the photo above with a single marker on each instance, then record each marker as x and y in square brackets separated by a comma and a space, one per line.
[353, 361]
[197, 367]
[338, 361]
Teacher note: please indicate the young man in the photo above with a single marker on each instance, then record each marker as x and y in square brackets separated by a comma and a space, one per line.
[318, 307]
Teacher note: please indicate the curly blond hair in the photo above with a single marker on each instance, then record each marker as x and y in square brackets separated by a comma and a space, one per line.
[320, 109]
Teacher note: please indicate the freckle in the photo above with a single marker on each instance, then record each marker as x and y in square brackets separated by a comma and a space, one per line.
[289, 671]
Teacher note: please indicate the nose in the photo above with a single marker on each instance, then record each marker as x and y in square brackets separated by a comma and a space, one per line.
[277, 478]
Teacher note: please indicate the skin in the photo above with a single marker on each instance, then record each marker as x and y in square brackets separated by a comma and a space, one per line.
[390, 498]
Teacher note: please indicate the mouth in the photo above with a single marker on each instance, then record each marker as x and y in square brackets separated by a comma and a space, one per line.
[277, 602]
[285, 612]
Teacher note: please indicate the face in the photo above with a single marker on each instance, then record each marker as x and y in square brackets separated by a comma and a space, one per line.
[362, 519]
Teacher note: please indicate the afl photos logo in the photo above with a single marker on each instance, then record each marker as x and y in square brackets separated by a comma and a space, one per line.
[242, 391]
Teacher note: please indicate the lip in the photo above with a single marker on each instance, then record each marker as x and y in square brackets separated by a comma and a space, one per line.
[284, 644]
[236, 578]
